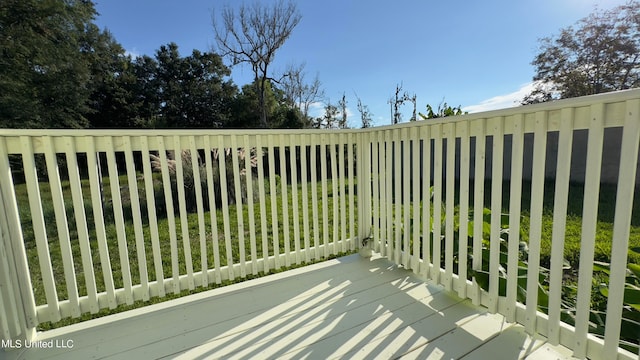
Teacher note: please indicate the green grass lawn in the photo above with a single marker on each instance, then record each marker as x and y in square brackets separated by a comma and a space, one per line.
[572, 240]
[604, 226]
[573, 230]
[164, 241]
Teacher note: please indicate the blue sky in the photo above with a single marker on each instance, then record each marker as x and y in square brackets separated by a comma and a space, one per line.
[476, 54]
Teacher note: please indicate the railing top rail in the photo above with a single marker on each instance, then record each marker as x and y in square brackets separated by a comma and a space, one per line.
[168, 132]
[611, 97]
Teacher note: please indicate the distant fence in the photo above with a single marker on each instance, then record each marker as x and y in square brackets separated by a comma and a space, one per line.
[610, 156]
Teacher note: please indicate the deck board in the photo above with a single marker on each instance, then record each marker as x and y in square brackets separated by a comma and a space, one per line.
[512, 343]
[349, 307]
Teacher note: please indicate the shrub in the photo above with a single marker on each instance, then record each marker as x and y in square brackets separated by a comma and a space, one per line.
[190, 187]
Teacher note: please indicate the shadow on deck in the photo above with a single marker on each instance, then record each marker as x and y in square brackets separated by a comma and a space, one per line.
[349, 307]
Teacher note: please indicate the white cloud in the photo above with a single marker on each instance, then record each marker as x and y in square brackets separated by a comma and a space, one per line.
[133, 53]
[502, 101]
[316, 109]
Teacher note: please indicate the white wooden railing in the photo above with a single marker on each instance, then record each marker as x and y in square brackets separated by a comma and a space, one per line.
[162, 239]
[124, 234]
[457, 156]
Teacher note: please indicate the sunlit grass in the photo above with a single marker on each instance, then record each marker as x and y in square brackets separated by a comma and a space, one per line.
[604, 233]
[193, 242]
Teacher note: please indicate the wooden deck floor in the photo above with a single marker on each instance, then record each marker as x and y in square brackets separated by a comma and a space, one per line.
[349, 307]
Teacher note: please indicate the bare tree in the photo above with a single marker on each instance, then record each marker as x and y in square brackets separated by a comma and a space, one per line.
[298, 92]
[252, 35]
[342, 122]
[365, 113]
[397, 101]
[330, 118]
[412, 99]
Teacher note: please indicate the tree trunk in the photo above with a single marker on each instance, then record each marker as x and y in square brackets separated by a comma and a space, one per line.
[263, 105]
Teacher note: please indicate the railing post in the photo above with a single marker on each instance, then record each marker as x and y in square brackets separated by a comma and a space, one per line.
[18, 318]
[621, 227]
[364, 193]
[589, 221]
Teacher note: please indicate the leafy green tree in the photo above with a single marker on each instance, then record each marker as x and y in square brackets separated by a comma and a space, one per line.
[246, 111]
[443, 110]
[280, 112]
[289, 118]
[145, 90]
[169, 76]
[601, 53]
[114, 101]
[193, 91]
[45, 77]
[168, 91]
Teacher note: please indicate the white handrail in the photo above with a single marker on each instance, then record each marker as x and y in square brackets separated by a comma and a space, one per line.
[518, 136]
[394, 187]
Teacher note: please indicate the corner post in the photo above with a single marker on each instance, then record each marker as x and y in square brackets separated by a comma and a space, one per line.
[18, 319]
[364, 193]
